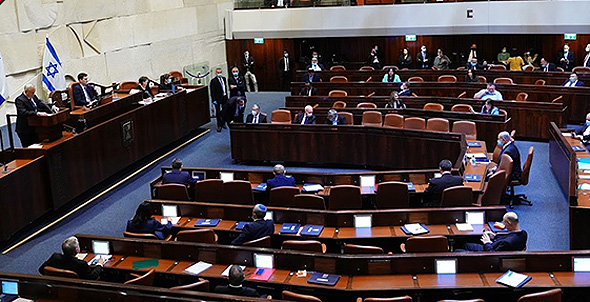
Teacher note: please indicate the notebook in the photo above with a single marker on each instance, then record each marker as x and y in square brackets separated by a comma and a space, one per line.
[474, 144]
[290, 228]
[198, 268]
[472, 177]
[145, 263]
[240, 225]
[495, 229]
[260, 188]
[323, 279]
[207, 222]
[262, 274]
[578, 148]
[415, 229]
[312, 230]
[513, 279]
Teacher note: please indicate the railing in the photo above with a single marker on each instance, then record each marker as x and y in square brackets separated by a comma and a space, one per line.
[256, 4]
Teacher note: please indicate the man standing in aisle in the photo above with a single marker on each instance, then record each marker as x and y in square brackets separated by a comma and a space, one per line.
[219, 96]
[248, 64]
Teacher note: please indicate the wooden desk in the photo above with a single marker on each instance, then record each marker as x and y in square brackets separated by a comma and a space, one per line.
[49, 128]
[109, 107]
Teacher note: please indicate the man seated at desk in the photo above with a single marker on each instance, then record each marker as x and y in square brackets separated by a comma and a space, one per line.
[177, 176]
[583, 132]
[280, 179]
[404, 90]
[236, 277]
[572, 81]
[306, 117]
[311, 76]
[144, 88]
[308, 90]
[489, 93]
[167, 84]
[513, 240]
[28, 104]
[433, 193]
[256, 117]
[84, 94]
[68, 261]
[335, 119]
[257, 229]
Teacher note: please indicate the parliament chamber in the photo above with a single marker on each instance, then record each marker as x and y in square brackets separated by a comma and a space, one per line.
[286, 114]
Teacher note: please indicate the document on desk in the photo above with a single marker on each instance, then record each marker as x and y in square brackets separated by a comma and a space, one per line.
[81, 256]
[585, 187]
[464, 227]
[312, 188]
[226, 271]
[415, 229]
[94, 260]
[583, 163]
[513, 279]
[198, 268]
[35, 146]
[174, 220]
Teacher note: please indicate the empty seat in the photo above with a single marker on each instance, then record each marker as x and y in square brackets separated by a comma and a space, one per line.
[415, 79]
[493, 189]
[367, 68]
[337, 68]
[304, 245]
[425, 244]
[433, 106]
[581, 69]
[529, 68]
[560, 69]
[393, 120]
[540, 82]
[447, 78]
[128, 85]
[392, 195]
[395, 299]
[146, 279]
[503, 81]
[199, 235]
[172, 192]
[339, 79]
[437, 124]
[462, 108]
[366, 105]
[280, 116]
[209, 190]
[237, 192]
[348, 117]
[521, 97]
[57, 272]
[458, 196]
[362, 249]
[506, 163]
[292, 296]
[497, 67]
[415, 123]
[390, 66]
[372, 118]
[309, 201]
[200, 286]
[470, 300]
[504, 113]
[345, 197]
[339, 105]
[553, 295]
[522, 181]
[482, 79]
[260, 242]
[466, 127]
[336, 93]
[282, 196]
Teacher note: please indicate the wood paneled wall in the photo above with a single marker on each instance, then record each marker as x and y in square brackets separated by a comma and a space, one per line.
[357, 49]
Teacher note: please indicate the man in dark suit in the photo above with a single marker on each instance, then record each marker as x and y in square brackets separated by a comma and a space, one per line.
[316, 65]
[219, 96]
[423, 58]
[514, 240]
[433, 193]
[256, 117]
[306, 117]
[583, 132]
[237, 85]
[177, 176]
[586, 62]
[308, 90]
[335, 119]
[404, 90]
[84, 95]
[257, 229]
[248, 65]
[546, 66]
[285, 68]
[280, 179]
[566, 58]
[474, 65]
[236, 277]
[27, 104]
[311, 76]
[509, 148]
[572, 81]
[234, 110]
[68, 261]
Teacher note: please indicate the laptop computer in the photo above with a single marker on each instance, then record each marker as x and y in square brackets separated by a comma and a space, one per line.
[9, 290]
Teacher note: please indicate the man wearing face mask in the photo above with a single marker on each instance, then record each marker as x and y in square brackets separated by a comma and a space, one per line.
[248, 65]
[586, 62]
[308, 90]
[256, 117]
[583, 132]
[374, 59]
[335, 119]
[257, 229]
[546, 66]
[572, 81]
[237, 86]
[565, 58]
[316, 65]
[306, 117]
[474, 65]
[285, 67]
[503, 55]
[219, 96]
[490, 93]
[234, 110]
[423, 58]
[506, 142]
[166, 84]
[441, 62]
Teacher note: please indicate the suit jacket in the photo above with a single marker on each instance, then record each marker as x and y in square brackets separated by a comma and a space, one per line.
[308, 121]
[315, 78]
[282, 65]
[229, 111]
[255, 230]
[475, 67]
[146, 93]
[422, 63]
[24, 109]
[262, 118]
[304, 91]
[512, 151]
[280, 181]
[240, 90]
[511, 241]
[74, 264]
[580, 131]
[406, 92]
[248, 64]
[217, 90]
[340, 121]
[570, 57]
[433, 193]
[405, 62]
[79, 98]
[236, 291]
[550, 67]
[151, 226]
[578, 83]
[177, 177]
[320, 65]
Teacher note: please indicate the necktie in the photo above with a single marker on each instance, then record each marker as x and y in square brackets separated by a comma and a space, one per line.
[33, 102]
[86, 94]
[222, 86]
[255, 119]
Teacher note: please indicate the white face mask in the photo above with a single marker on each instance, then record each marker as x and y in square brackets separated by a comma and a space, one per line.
[254, 112]
[587, 49]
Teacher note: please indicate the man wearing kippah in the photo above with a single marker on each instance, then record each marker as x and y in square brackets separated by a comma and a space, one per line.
[257, 229]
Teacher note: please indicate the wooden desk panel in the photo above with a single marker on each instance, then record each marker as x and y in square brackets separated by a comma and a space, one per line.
[572, 279]
[383, 282]
[374, 232]
[451, 280]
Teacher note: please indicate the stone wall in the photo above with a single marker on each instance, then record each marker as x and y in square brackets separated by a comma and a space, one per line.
[111, 40]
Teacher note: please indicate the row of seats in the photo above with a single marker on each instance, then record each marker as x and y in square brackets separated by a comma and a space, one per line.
[499, 67]
[520, 97]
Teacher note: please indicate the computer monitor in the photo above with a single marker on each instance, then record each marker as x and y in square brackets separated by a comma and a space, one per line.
[169, 210]
[367, 180]
[475, 217]
[363, 221]
[264, 260]
[101, 247]
[446, 266]
[268, 216]
[226, 176]
[9, 287]
[437, 175]
[581, 264]
[199, 175]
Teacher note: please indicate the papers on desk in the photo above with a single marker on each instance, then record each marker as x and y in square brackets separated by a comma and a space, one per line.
[198, 268]
[566, 134]
[464, 227]
[139, 264]
[584, 163]
[94, 260]
[240, 225]
[472, 177]
[578, 148]
[415, 229]
[474, 144]
[226, 271]
[312, 188]
[513, 279]
[584, 176]
[262, 274]
[35, 146]
[174, 220]
[585, 187]
[312, 230]
[81, 256]
[261, 187]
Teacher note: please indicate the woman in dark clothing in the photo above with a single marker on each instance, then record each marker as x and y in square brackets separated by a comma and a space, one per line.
[143, 223]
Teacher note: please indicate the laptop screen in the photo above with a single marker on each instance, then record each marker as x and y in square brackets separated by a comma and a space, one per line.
[263, 260]
[367, 180]
[446, 266]
[169, 210]
[101, 247]
[198, 175]
[9, 287]
[226, 176]
[363, 221]
[581, 264]
[475, 217]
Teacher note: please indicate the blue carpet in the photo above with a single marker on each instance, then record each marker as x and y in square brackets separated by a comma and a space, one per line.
[107, 215]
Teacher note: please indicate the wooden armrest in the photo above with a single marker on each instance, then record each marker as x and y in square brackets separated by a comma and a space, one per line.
[359, 299]
[134, 275]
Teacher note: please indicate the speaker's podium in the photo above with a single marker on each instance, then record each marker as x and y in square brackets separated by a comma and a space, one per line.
[49, 128]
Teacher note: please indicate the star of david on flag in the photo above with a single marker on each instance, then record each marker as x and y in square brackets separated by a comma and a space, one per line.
[54, 77]
[3, 86]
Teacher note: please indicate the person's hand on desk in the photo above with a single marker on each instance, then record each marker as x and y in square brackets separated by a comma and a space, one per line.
[42, 114]
[55, 109]
[487, 237]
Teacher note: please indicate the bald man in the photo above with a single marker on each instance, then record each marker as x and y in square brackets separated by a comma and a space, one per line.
[513, 240]
[509, 148]
[28, 104]
[305, 118]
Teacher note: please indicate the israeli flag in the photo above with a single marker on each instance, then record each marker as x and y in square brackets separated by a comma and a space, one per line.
[3, 86]
[54, 77]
